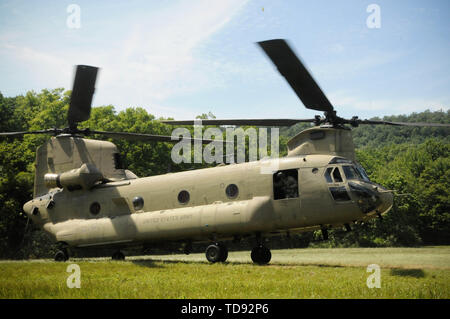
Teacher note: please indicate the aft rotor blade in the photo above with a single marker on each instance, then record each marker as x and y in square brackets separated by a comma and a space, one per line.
[403, 123]
[256, 122]
[82, 92]
[296, 74]
[149, 137]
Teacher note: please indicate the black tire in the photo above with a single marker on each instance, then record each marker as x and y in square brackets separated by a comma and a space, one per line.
[261, 255]
[61, 256]
[223, 253]
[256, 255]
[118, 256]
[213, 253]
[266, 256]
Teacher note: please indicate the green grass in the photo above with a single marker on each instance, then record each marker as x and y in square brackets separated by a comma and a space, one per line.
[296, 273]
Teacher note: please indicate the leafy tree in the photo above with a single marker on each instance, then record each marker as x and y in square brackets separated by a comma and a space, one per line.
[412, 161]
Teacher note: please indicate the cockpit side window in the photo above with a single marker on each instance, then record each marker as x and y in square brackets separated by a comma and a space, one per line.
[333, 175]
[337, 175]
[339, 194]
[328, 175]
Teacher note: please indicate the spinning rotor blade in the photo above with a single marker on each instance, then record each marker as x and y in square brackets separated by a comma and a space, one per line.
[402, 123]
[257, 122]
[19, 134]
[296, 74]
[82, 92]
[149, 137]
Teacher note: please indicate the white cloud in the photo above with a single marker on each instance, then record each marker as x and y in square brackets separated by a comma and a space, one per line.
[159, 61]
[156, 59]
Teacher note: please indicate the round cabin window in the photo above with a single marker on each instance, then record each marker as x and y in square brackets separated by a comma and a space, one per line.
[138, 203]
[232, 191]
[95, 208]
[183, 197]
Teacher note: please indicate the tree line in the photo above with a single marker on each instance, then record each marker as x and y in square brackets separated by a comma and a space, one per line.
[412, 161]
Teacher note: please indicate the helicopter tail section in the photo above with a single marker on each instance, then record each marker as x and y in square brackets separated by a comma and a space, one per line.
[63, 159]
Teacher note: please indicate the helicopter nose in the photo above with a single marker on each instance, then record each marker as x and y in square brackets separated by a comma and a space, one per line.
[27, 207]
[372, 199]
[32, 211]
[387, 200]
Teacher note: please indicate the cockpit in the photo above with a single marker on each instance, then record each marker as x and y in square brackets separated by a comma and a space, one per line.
[351, 171]
[348, 181]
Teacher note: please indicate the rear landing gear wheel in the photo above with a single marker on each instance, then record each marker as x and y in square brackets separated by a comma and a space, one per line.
[62, 255]
[118, 255]
[261, 255]
[223, 252]
[216, 253]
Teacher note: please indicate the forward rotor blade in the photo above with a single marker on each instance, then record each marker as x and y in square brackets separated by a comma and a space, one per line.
[403, 123]
[149, 137]
[296, 74]
[82, 92]
[18, 134]
[256, 122]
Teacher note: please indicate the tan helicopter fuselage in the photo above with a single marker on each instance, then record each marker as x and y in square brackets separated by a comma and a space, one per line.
[200, 205]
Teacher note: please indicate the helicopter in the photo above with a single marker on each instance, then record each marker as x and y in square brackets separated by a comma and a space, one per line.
[84, 198]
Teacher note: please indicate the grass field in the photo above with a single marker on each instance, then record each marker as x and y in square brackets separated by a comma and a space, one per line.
[294, 273]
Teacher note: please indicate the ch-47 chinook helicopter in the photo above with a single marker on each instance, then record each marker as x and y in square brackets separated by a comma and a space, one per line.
[84, 198]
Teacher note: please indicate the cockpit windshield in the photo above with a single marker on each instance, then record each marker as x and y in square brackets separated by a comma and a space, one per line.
[363, 173]
[352, 170]
[355, 172]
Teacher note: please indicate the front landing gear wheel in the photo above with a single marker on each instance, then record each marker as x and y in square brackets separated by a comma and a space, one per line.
[61, 255]
[118, 255]
[216, 253]
[261, 255]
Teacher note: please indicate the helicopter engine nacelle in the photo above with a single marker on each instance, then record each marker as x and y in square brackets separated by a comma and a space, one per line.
[84, 177]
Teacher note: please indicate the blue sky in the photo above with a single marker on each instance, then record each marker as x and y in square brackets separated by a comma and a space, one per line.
[184, 58]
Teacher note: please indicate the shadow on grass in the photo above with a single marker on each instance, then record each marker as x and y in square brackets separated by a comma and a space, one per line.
[149, 263]
[416, 273]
